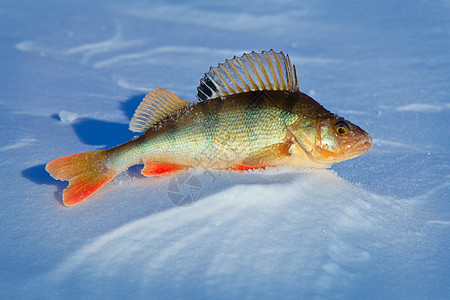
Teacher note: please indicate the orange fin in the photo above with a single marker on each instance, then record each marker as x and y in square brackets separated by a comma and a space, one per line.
[264, 157]
[268, 155]
[86, 173]
[152, 168]
[241, 168]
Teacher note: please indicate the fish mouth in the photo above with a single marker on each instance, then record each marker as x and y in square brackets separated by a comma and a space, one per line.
[347, 150]
[360, 147]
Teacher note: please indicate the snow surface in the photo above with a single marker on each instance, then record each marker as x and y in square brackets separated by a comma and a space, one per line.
[375, 227]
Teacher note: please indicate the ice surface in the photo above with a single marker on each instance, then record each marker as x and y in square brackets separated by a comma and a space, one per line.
[420, 107]
[375, 227]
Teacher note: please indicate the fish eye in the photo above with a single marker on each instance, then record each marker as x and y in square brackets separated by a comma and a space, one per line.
[341, 127]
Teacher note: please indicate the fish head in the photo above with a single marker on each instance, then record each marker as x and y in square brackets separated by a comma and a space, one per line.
[337, 140]
[331, 139]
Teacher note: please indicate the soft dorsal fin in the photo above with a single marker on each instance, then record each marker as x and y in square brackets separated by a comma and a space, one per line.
[266, 71]
[157, 105]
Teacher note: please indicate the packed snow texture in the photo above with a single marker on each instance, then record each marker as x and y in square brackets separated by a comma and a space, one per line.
[375, 227]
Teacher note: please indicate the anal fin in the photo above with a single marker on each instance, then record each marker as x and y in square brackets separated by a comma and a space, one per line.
[153, 168]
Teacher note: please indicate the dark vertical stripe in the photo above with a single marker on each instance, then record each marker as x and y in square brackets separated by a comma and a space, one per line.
[211, 115]
[291, 101]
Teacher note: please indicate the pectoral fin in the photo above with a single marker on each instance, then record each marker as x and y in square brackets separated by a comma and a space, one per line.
[265, 157]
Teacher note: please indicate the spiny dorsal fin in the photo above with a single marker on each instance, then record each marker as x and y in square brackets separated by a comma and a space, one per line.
[157, 105]
[266, 71]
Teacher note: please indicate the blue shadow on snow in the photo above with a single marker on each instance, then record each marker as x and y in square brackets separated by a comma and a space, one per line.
[39, 175]
[107, 134]
[91, 132]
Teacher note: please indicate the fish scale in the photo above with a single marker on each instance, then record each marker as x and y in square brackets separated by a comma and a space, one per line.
[230, 133]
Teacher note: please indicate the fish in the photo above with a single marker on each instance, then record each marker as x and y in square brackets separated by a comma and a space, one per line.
[249, 114]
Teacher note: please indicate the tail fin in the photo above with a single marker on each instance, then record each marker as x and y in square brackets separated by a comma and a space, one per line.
[86, 173]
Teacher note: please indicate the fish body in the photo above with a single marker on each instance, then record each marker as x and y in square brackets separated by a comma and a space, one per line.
[251, 115]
